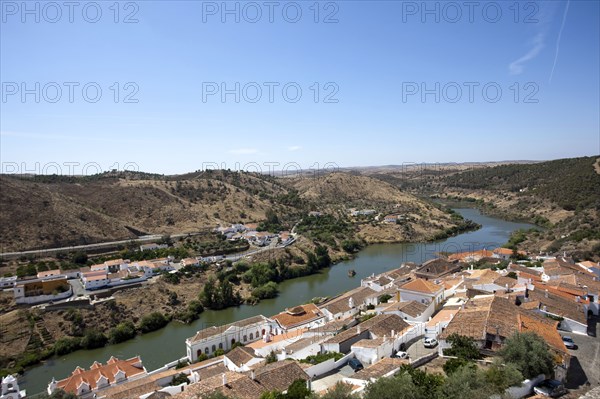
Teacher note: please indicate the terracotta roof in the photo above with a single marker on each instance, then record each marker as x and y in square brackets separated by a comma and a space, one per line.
[240, 355]
[298, 316]
[411, 308]
[131, 367]
[547, 330]
[279, 375]
[379, 369]
[421, 285]
[341, 303]
[48, 273]
[558, 304]
[437, 267]
[471, 254]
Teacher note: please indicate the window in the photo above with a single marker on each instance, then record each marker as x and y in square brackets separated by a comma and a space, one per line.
[221, 345]
[263, 331]
[214, 348]
[245, 338]
[232, 341]
[206, 350]
[251, 336]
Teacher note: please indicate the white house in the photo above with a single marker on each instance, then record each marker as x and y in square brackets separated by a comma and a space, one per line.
[241, 359]
[190, 262]
[349, 304]
[10, 388]
[86, 383]
[298, 317]
[411, 311]
[423, 291]
[210, 339]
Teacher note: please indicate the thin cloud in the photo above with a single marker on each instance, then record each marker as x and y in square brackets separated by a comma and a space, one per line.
[517, 67]
[243, 151]
[294, 148]
[562, 26]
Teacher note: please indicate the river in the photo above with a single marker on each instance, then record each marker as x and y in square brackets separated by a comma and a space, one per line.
[168, 344]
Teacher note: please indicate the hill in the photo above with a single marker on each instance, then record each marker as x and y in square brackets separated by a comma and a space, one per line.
[56, 211]
[561, 196]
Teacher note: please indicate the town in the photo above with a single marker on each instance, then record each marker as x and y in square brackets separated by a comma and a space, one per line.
[409, 316]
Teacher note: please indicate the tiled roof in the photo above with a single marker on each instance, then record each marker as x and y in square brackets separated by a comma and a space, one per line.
[379, 369]
[411, 308]
[437, 267]
[547, 330]
[558, 305]
[298, 315]
[421, 285]
[240, 355]
[279, 375]
[341, 303]
[131, 367]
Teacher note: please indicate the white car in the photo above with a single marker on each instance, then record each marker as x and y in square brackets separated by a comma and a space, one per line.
[400, 355]
[430, 342]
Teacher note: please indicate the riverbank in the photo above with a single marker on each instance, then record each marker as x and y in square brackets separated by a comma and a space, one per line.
[160, 347]
[181, 297]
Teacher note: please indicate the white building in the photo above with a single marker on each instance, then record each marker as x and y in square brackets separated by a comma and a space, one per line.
[349, 304]
[10, 388]
[245, 331]
[423, 291]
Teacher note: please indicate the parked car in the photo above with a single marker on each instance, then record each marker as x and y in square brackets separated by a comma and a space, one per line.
[569, 343]
[430, 342]
[355, 364]
[400, 355]
[550, 388]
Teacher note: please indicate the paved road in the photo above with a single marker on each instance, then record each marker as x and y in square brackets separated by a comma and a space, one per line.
[417, 350]
[585, 361]
[108, 244]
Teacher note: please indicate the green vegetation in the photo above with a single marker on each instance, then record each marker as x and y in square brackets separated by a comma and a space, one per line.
[384, 298]
[266, 291]
[121, 332]
[219, 296]
[529, 353]
[326, 229]
[180, 378]
[93, 339]
[321, 357]
[153, 322]
[571, 183]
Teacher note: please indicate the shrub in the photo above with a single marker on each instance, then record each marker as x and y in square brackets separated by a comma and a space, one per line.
[152, 322]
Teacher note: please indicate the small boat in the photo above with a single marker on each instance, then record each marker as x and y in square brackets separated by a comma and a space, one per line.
[351, 273]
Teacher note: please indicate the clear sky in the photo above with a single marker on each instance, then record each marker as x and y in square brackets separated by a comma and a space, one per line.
[382, 82]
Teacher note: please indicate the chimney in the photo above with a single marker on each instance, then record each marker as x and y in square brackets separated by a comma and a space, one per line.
[393, 333]
[224, 379]
[546, 293]
[252, 376]
[358, 329]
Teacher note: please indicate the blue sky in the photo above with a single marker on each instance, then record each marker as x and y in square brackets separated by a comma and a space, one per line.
[371, 62]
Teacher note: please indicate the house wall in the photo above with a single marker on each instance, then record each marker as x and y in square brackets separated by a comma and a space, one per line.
[224, 340]
[44, 298]
[406, 296]
[326, 366]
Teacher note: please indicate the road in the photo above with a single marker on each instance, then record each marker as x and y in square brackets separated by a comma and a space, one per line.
[585, 361]
[108, 244]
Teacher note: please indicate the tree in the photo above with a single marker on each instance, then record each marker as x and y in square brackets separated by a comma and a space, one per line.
[503, 376]
[466, 382]
[271, 357]
[529, 353]
[152, 322]
[297, 390]
[59, 394]
[400, 387]
[384, 298]
[462, 347]
[121, 332]
[339, 391]
[93, 339]
[180, 378]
